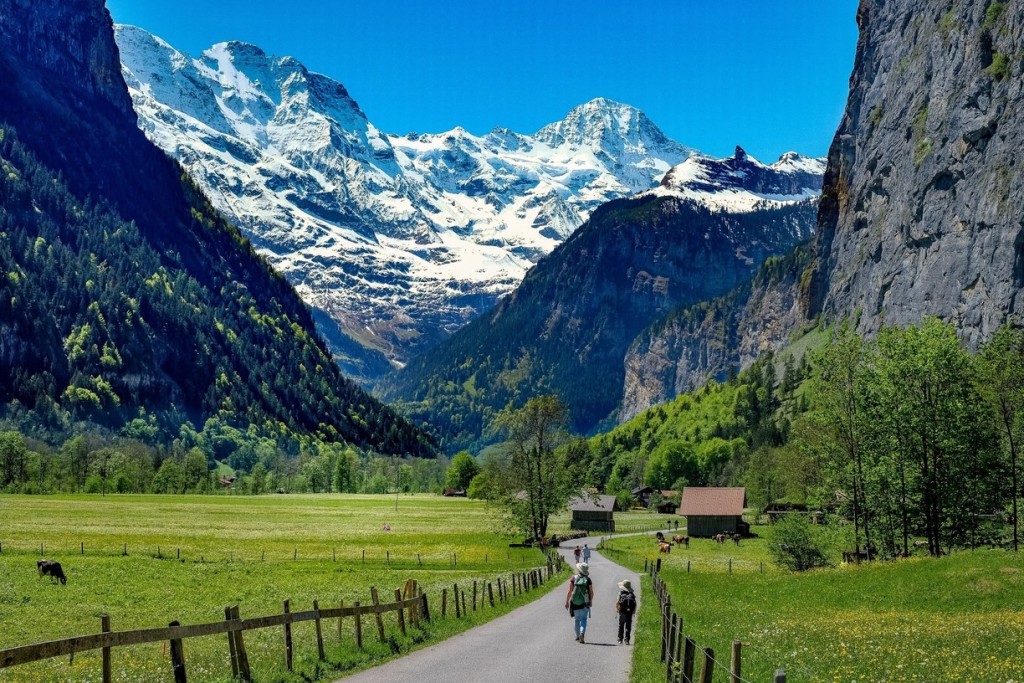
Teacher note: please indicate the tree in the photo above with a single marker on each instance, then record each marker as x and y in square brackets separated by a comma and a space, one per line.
[345, 468]
[461, 471]
[13, 459]
[536, 481]
[170, 478]
[837, 395]
[1000, 377]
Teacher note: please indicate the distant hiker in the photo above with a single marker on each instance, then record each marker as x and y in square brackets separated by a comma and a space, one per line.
[579, 598]
[586, 553]
[576, 554]
[626, 607]
[677, 525]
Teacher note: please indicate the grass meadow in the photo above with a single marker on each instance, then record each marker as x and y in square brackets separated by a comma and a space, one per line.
[250, 551]
[957, 618]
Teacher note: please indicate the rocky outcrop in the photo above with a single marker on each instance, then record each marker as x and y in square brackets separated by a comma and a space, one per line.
[691, 345]
[922, 208]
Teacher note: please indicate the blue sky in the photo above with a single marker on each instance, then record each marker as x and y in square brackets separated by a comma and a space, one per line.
[770, 75]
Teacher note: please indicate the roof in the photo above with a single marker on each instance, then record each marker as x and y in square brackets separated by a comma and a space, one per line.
[711, 501]
[640, 490]
[591, 503]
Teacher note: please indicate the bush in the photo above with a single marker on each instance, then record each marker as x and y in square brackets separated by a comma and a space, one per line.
[796, 545]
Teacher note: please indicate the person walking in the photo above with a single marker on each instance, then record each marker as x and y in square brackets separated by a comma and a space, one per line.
[579, 599]
[576, 554]
[625, 605]
[586, 553]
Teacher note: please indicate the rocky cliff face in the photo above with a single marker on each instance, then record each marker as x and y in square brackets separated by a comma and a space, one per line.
[697, 343]
[922, 208]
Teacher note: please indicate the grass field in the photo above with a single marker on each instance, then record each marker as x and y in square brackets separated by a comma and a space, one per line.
[250, 551]
[959, 618]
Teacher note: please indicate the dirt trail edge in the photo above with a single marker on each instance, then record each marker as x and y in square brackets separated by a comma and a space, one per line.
[532, 643]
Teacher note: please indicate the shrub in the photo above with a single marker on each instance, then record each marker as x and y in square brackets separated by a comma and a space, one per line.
[795, 544]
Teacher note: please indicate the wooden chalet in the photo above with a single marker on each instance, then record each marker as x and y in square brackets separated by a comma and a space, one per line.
[642, 495]
[592, 512]
[714, 510]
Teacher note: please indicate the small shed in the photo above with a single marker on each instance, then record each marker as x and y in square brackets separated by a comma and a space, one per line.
[714, 510]
[592, 512]
[642, 495]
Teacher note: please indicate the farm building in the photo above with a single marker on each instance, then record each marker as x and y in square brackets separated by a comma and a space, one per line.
[642, 495]
[711, 511]
[592, 513]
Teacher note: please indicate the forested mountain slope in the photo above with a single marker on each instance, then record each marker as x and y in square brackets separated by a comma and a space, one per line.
[566, 328]
[125, 294]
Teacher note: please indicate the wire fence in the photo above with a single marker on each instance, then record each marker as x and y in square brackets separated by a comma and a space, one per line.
[681, 654]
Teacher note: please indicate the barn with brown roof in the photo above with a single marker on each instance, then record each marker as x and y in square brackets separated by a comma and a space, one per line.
[714, 510]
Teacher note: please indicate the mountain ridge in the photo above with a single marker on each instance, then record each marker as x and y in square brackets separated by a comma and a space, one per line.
[396, 240]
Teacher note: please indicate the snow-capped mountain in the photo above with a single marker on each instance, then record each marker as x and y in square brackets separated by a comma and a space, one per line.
[395, 241]
[741, 183]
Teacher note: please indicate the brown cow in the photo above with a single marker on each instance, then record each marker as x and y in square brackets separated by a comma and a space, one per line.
[664, 547]
[719, 538]
[681, 540]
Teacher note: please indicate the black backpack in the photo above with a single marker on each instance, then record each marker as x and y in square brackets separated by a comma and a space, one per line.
[627, 603]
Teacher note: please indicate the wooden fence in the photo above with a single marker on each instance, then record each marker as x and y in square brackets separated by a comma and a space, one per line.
[410, 606]
[680, 653]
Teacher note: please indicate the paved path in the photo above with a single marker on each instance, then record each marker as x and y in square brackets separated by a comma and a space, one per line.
[532, 644]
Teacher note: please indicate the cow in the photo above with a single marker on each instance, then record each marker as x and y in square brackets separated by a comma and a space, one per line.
[681, 540]
[664, 548]
[719, 538]
[660, 537]
[52, 569]
[736, 539]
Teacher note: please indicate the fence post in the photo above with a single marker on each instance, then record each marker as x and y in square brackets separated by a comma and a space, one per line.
[319, 632]
[426, 606]
[231, 645]
[780, 676]
[288, 636]
[400, 610]
[689, 657]
[359, 625]
[464, 604]
[458, 611]
[341, 605]
[177, 658]
[678, 673]
[474, 595]
[243, 657]
[490, 594]
[735, 664]
[670, 659]
[376, 612]
[664, 632]
[708, 670]
[104, 626]
[444, 602]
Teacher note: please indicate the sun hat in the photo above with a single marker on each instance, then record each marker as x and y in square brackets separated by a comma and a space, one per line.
[583, 568]
[625, 585]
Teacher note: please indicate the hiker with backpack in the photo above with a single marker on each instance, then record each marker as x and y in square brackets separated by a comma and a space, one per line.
[625, 605]
[579, 598]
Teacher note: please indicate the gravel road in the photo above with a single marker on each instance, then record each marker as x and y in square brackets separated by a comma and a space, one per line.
[534, 643]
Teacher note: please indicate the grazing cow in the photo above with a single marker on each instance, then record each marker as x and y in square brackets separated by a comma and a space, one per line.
[52, 569]
[660, 537]
[664, 548]
[719, 538]
[681, 540]
[736, 539]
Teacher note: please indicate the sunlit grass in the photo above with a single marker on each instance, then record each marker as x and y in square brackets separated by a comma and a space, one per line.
[235, 550]
[958, 618]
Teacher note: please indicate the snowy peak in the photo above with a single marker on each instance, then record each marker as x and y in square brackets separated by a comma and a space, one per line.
[619, 135]
[741, 183]
[395, 240]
